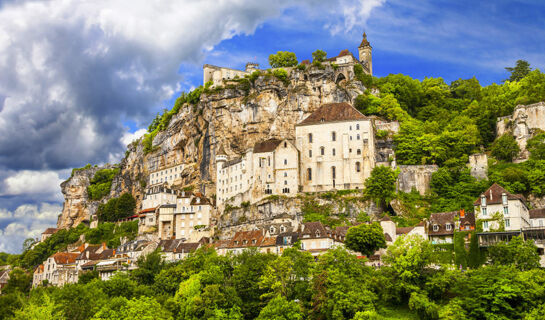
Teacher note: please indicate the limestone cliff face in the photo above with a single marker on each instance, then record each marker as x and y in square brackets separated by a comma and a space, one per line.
[234, 117]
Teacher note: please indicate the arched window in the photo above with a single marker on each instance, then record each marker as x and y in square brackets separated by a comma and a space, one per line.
[285, 144]
[333, 151]
[310, 138]
[358, 151]
[309, 174]
[322, 151]
[333, 173]
[285, 161]
[310, 153]
[333, 136]
[358, 167]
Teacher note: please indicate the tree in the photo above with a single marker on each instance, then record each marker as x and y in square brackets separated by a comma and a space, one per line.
[474, 259]
[27, 244]
[145, 308]
[381, 185]
[148, 267]
[45, 310]
[365, 238]
[505, 148]
[125, 206]
[536, 146]
[282, 59]
[517, 252]
[19, 281]
[409, 255]
[521, 69]
[319, 55]
[281, 309]
[87, 277]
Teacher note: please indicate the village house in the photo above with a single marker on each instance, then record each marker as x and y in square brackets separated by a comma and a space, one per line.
[158, 195]
[246, 239]
[48, 233]
[107, 268]
[192, 218]
[4, 278]
[337, 148]
[134, 249]
[442, 225]
[537, 218]
[218, 75]
[167, 175]
[38, 276]
[316, 238]
[93, 252]
[60, 268]
[147, 220]
[497, 204]
[233, 177]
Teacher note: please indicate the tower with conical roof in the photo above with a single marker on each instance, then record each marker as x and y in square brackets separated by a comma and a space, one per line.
[365, 54]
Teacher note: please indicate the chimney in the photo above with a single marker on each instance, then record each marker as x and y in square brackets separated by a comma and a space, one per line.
[114, 252]
[104, 246]
[87, 254]
[462, 213]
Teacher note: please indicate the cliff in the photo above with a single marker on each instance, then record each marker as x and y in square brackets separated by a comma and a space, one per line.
[235, 116]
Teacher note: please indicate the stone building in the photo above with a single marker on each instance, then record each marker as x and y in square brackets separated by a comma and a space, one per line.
[416, 177]
[158, 195]
[511, 209]
[442, 225]
[233, 177]
[48, 233]
[166, 175]
[337, 149]
[537, 218]
[60, 268]
[220, 74]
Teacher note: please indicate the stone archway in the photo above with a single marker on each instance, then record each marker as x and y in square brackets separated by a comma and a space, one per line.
[340, 77]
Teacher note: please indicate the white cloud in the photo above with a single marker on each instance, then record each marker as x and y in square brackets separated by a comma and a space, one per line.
[26, 221]
[32, 182]
[130, 137]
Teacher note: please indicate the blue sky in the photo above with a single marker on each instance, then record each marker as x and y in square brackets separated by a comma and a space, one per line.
[81, 80]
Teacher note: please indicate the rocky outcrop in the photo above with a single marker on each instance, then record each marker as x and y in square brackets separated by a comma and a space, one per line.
[235, 117]
[522, 124]
[417, 177]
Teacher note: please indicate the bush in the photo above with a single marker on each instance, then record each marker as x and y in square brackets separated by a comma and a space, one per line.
[536, 146]
[117, 208]
[101, 183]
[282, 59]
[282, 75]
[505, 148]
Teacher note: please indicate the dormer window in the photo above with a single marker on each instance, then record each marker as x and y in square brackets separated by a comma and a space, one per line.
[271, 230]
[236, 241]
[504, 199]
[483, 201]
[254, 241]
[317, 234]
[244, 241]
[435, 228]
[282, 229]
[449, 227]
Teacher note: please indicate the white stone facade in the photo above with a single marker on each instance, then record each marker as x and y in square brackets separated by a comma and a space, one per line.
[158, 195]
[166, 175]
[511, 208]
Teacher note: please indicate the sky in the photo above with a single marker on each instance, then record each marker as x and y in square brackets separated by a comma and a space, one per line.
[79, 80]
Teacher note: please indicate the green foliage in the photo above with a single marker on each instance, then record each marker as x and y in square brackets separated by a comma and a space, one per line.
[87, 276]
[408, 256]
[144, 308]
[100, 185]
[6, 258]
[517, 252]
[19, 281]
[365, 238]
[282, 75]
[148, 266]
[45, 310]
[282, 59]
[301, 67]
[87, 166]
[381, 185]
[279, 308]
[319, 55]
[536, 146]
[10, 303]
[117, 208]
[423, 306]
[505, 148]
[519, 71]
[366, 79]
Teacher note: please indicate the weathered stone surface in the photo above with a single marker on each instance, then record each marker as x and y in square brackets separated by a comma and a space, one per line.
[478, 165]
[418, 177]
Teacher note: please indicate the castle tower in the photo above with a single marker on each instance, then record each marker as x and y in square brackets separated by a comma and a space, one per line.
[365, 53]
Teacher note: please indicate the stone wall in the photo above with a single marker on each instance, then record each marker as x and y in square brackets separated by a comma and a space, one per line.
[415, 176]
[478, 164]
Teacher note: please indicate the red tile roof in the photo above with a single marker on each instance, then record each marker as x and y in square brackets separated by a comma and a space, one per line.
[404, 230]
[537, 213]
[148, 210]
[50, 231]
[246, 239]
[494, 193]
[333, 112]
[65, 257]
[266, 146]
[201, 201]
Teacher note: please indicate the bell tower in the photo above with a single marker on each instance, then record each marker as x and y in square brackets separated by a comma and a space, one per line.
[365, 54]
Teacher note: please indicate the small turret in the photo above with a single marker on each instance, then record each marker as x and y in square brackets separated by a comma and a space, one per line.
[221, 158]
[365, 54]
[251, 67]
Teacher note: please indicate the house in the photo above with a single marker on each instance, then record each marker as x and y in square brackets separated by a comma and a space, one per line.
[166, 175]
[218, 75]
[48, 233]
[316, 238]
[38, 276]
[286, 240]
[246, 239]
[537, 217]
[4, 278]
[60, 268]
[93, 252]
[134, 249]
[442, 225]
[192, 217]
[268, 245]
[168, 249]
[337, 148]
[496, 205]
[107, 268]
[148, 220]
[185, 248]
[158, 195]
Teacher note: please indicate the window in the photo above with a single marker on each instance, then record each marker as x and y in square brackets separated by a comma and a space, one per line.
[435, 228]
[310, 153]
[285, 144]
[504, 199]
[310, 138]
[448, 226]
[350, 150]
[507, 223]
[285, 182]
[285, 174]
[333, 136]
[358, 152]
[333, 173]
[333, 151]
[271, 230]
[285, 161]
[322, 151]
[358, 167]
[357, 126]
[350, 127]
[483, 211]
[505, 210]
[309, 174]
[358, 136]
[483, 201]
[269, 161]
[485, 225]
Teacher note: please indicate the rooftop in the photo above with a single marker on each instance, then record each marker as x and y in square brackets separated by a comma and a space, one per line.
[537, 213]
[494, 195]
[333, 112]
[266, 146]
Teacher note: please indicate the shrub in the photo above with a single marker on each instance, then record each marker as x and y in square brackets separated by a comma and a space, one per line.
[101, 183]
[282, 59]
[505, 148]
[282, 75]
